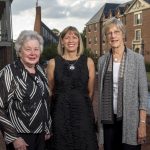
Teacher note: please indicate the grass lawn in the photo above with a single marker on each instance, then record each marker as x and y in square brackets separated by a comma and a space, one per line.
[148, 76]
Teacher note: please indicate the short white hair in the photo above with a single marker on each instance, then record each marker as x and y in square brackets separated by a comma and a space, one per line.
[113, 21]
[25, 36]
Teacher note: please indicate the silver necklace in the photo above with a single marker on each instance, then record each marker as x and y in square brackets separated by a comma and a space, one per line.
[72, 66]
[115, 59]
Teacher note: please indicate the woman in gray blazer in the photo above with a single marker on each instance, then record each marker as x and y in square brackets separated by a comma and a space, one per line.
[122, 92]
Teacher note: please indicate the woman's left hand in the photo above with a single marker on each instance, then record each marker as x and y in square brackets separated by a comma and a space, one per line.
[142, 133]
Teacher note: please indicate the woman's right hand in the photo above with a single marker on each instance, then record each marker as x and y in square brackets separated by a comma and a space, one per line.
[101, 147]
[20, 144]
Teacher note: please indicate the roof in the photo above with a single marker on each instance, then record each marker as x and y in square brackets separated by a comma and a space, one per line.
[123, 6]
[49, 30]
[103, 10]
[148, 1]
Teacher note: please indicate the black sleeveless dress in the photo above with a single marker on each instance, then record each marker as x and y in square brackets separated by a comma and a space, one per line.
[72, 115]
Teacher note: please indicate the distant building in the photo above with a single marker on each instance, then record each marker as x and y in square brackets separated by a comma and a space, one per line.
[6, 50]
[134, 14]
[48, 35]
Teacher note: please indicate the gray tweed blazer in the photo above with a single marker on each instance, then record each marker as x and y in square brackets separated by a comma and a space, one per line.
[135, 95]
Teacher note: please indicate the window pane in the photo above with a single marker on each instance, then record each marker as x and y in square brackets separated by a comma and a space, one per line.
[137, 19]
[138, 35]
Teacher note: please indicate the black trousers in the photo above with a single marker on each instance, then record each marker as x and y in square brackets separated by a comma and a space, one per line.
[113, 138]
[35, 141]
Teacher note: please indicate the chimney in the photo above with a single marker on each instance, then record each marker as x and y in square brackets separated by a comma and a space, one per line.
[37, 24]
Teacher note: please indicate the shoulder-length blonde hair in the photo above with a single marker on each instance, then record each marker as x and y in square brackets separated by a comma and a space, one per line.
[60, 47]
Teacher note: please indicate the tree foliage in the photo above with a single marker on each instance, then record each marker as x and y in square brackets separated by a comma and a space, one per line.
[49, 52]
[83, 36]
[56, 31]
[88, 52]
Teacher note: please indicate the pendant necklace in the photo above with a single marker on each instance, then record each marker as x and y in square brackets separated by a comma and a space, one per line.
[71, 63]
[115, 59]
[72, 66]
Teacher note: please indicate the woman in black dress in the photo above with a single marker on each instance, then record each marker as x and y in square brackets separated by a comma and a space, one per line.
[71, 78]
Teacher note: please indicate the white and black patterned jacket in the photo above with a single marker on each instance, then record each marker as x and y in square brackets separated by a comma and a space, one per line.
[24, 101]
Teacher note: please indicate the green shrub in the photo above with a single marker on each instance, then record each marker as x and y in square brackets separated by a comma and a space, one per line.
[148, 76]
[88, 52]
[147, 67]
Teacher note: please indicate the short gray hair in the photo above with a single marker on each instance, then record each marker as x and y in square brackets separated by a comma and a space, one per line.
[25, 36]
[112, 21]
[60, 47]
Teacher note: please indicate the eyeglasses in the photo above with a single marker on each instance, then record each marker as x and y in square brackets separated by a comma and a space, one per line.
[117, 32]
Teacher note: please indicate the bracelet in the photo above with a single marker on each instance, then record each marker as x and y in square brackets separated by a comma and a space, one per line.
[142, 121]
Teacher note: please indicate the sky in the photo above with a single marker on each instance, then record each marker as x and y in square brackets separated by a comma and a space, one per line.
[56, 14]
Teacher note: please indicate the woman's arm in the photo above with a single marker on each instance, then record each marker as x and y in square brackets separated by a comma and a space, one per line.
[142, 117]
[8, 86]
[143, 101]
[142, 127]
[91, 68]
[50, 73]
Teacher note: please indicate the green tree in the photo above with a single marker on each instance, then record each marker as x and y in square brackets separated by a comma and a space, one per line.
[49, 52]
[83, 36]
[88, 52]
[56, 32]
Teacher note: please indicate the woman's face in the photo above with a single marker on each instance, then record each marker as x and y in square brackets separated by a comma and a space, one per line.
[30, 53]
[70, 42]
[114, 37]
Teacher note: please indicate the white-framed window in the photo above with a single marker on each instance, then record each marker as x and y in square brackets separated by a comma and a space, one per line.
[89, 28]
[95, 27]
[89, 41]
[138, 35]
[95, 40]
[96, 52]
[138, 18]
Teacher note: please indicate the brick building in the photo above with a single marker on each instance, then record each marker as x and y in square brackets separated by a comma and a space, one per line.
[134, 14]
[6, 50]
[47, 34]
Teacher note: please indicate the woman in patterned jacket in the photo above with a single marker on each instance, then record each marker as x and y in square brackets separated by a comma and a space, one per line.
[24, 96]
